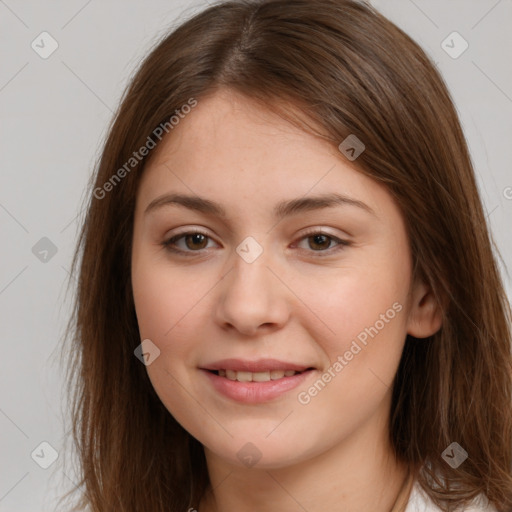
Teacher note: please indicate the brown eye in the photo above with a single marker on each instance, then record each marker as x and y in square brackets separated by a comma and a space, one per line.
[319, 241]
[195, 241]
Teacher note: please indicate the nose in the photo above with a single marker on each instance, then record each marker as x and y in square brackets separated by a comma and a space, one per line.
[252, 298]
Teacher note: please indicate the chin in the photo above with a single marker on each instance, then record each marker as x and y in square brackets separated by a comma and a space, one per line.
[257, 452]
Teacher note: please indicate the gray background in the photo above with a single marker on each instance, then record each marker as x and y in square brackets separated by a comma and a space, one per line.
[55, 113]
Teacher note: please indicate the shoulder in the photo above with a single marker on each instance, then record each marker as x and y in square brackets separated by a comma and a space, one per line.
[420, 502]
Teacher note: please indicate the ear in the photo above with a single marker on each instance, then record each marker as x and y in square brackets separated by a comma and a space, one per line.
[425, 315]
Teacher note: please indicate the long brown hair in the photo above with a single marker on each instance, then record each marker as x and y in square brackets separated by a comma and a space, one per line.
[341, 66]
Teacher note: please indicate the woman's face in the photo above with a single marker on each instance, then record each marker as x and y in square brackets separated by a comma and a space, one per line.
[280, 271]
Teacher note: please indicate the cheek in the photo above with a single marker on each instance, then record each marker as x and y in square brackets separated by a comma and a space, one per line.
[172, 306]
[163, 295]
[155, 302]
[367, 319]
[361, 330]
[167, 314]
[359, 302]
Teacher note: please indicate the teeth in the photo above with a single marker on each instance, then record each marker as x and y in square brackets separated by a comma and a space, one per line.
[256, 376]
[260, 376]
[276, 374]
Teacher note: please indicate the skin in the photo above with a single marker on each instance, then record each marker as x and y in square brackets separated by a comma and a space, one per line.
[290, 304]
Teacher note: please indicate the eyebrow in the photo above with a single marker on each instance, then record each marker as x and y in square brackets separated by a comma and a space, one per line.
[281, 210]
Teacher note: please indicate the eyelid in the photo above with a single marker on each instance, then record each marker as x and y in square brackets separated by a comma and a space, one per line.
[317, 230]
[189, 230]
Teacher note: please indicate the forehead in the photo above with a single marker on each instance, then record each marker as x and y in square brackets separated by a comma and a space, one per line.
[229, 126]
[232, 150]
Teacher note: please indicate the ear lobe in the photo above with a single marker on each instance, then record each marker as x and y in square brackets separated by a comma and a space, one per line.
[425, 315]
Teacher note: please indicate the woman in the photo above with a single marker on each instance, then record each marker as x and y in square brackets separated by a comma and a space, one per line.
[288, 298]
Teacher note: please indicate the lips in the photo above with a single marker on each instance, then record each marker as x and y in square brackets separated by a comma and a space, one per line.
[254, 391]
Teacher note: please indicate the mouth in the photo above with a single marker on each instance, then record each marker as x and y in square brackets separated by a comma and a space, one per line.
[260, 376]
[255, 382]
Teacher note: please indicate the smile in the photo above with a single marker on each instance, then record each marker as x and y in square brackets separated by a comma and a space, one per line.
[265, 376]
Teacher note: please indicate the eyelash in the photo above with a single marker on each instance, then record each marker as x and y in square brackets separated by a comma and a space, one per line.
[168, 244]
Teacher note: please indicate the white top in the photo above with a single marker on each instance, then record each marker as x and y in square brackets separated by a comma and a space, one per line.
[420, 502]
